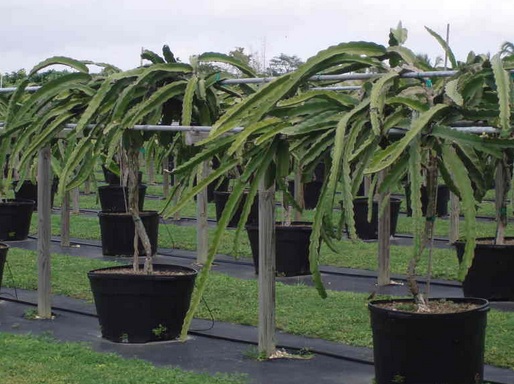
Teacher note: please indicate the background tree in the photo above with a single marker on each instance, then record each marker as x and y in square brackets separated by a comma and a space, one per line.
[282, 64]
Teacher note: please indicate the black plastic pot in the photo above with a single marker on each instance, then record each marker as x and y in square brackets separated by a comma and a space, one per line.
[421, 348]
[28, 191]
[443, 197]
[213, 187]
[15, 217]
[114, 198]
[369, 230]
[311, 193]
[491, 273]
[220, 200]
[291, 248]
[3, 256]
[114, 179]
[117, 232]
[142, 308]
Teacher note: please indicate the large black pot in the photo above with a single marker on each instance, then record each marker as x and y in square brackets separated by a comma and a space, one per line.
[368, 230]
[491, 273]
[220, 200]
[142, 308]
[114, 198]
[3, 256]
[443, 197]
[428, 348]
[291, 248]
[117, 232]
[28, 191]
[15, 217]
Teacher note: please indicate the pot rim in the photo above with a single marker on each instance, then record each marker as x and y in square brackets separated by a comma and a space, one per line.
[190, 272]
[141, 213]
[17, 201]
[295, 225]
[460, 243]
[483, 305]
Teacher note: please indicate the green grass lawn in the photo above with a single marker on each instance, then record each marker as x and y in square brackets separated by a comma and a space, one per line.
[342, 317]
[27, 359]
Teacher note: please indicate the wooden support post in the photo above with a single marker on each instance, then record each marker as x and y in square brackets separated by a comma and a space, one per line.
[65, 220]
[75, 192]
[150, 164]
[165, 177]
[176, 215]
[454, 218]
[87, 186]
[267, 343]
[384, 235]
[298, 192]
[202, 235]
[367, 185]
[44, 303]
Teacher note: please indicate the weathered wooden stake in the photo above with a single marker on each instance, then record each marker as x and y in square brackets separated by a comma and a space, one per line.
[454, 217]
[87, 186]
[75, 192]
[165, 177]
[202, 235]
[150, 164]
[65, 220]
[384, 235]
[298, 192]
[44, 303]
[267, 343]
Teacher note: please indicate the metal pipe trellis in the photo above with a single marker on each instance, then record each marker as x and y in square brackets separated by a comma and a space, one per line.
[266, 259]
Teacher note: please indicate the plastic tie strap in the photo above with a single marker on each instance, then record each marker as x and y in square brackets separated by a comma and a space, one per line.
[428, 83]
[431, 219]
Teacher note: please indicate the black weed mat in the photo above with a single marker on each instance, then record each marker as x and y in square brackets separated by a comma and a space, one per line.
[227, 348]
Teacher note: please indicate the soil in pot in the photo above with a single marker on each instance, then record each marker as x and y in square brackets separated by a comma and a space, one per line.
[15, 217]
[117, 232]
[221, 198]
[369, 230]
[114, 198]
[3, 257]
[28, 191]
[291, 248]
[491, 273]
[428, 348]
[443, 197]
[142, 308]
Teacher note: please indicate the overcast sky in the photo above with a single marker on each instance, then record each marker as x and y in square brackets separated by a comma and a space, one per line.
[114, 31]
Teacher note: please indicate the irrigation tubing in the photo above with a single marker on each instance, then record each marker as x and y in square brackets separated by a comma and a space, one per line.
[207, 335]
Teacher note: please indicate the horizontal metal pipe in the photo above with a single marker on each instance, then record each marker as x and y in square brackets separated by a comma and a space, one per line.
[11, 90]
[208, 128]
[336, 88]
[342, 77]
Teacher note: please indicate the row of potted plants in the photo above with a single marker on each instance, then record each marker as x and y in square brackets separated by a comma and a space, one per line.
[291, 128]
